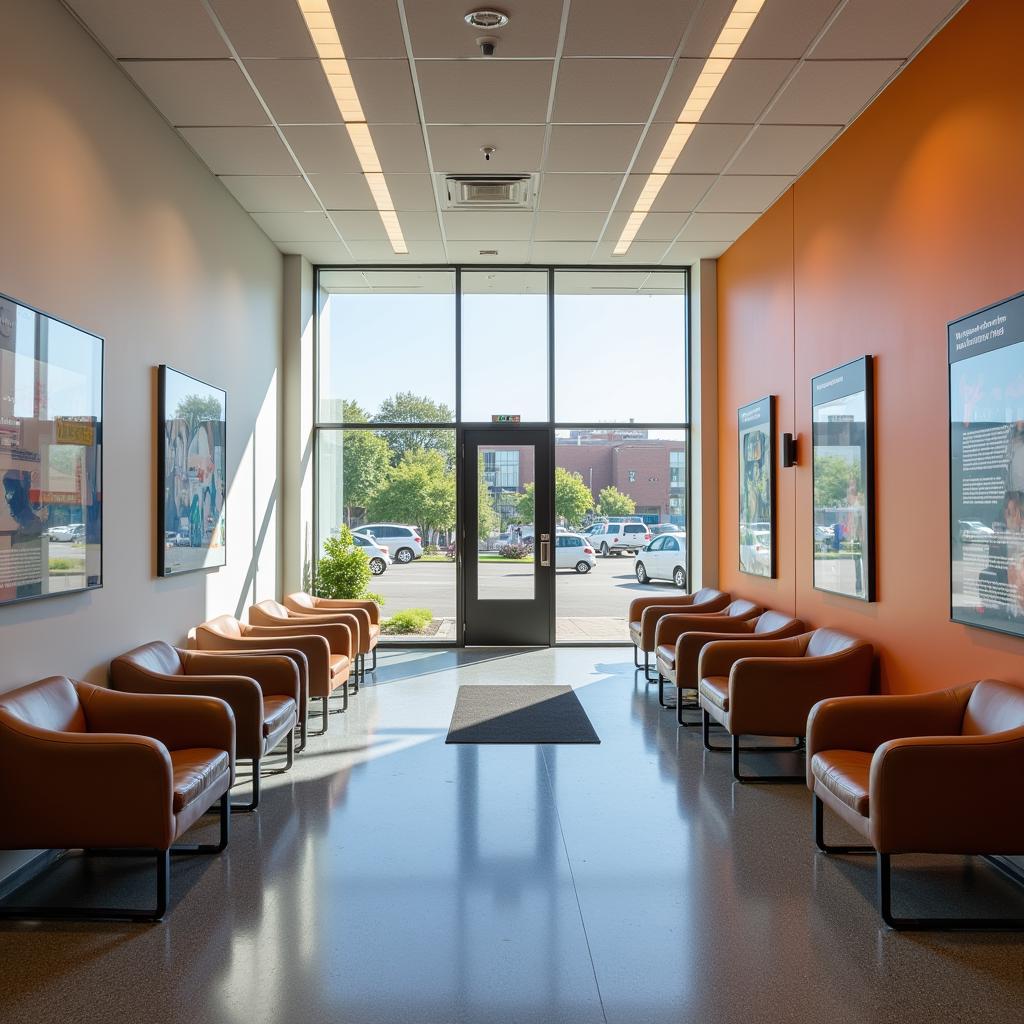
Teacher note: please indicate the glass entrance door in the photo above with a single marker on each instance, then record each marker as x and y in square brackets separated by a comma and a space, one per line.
[508, 545]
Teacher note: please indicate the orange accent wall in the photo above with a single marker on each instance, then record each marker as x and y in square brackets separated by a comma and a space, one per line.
[914, 217]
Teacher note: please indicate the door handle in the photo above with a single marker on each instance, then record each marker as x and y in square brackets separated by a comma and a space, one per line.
[545, 550]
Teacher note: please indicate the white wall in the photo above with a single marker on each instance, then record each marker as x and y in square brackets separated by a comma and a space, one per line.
[107, 220]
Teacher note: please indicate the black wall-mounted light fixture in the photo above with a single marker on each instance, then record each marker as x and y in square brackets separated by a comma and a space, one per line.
[788, 451]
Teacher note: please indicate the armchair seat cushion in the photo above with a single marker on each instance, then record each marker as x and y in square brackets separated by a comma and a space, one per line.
[339, 663]
[636, 633]
[196, 770]
[667, 655]
[278, 713]
[716, 690]
[845, 774]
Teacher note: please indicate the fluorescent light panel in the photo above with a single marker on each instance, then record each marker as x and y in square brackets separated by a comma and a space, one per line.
[726, 46]
[324, 33]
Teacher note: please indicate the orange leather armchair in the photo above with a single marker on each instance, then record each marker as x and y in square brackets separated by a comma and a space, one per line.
[88, 768]
[678, 661]
[326, 650]
[263, 692]
[273, 613]
[768, 687]
[929, 773]
[301, 603]
[644, 613]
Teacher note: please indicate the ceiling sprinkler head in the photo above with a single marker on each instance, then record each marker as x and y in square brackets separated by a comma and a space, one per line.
[487, 45]
[488, 151]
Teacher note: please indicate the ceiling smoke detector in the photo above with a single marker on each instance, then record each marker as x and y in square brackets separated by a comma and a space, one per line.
[489, 191]
[487, 18]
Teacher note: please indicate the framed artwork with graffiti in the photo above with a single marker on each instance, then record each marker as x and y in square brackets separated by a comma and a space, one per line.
[756, 431]
[191, 469]
[51, 442]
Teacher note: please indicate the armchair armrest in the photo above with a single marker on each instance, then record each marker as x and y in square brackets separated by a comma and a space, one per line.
[688, 650]
[256, 648]
[177, 721]
[669, 628]
[654, 613]
[865, 723]
[638, 604]
[717, 659]
[371, 607]
[357, 619]
[339, 637]
[276, 676]
[948, 794]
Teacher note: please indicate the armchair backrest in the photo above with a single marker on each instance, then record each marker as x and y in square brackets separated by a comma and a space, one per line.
[994, 706]
[156, 657]
[707, 594]
[300, 599]
[222, 625]
[823, 642]
[50, 703]
[741, 609]
[770, 622]
[260, 612]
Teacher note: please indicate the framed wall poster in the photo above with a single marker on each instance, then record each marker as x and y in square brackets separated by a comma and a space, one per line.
[756, 433]
[986, 467]
[51, 439]
[191, 520]
[843, 471]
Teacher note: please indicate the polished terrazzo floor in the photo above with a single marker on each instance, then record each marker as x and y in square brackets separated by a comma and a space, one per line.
[392, 878]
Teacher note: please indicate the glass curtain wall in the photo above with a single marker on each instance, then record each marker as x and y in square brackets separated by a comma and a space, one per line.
[407, 356]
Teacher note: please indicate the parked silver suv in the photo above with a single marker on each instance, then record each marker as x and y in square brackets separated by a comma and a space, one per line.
[614, 538]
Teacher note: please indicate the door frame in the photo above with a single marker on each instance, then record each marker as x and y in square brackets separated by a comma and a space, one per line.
[464, 549]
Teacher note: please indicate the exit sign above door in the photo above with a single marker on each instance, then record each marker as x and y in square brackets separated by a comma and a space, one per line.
[504, 418]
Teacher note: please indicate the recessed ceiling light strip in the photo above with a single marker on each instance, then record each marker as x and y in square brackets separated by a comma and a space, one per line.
[735, 30]
[324, 33]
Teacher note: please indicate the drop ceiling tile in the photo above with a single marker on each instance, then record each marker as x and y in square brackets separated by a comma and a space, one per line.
[381, 252]
[607, 91]
[151, 28]
[680, 193]
[684, 254]
[263, 28]
[508, 251]
[639, 252]
[456, 148]
[562, 252]
[240, 150]
[366, 225]
[506, 224]
[830, 92]
[438, 29]
[743, 94]
[613, 28]
[707, 151]
[411, 191]
[782, 148]
[484, 92]
[784, 28]
[591, 147]
[197, 92]
[271, 193]
[866, 28]
[744, 193]
[296, 227]
[569, 227]
[572, 193]
[322, 148]
[345, 191]
[712, 227]
[657, 227]
[385, 90]
[399, 147]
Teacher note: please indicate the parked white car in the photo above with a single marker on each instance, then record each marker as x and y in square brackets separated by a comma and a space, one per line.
[756, 557]
[68, 534]
[402, 541]
[663, 559]
[573, 551]
[618, 537]
[378, 554]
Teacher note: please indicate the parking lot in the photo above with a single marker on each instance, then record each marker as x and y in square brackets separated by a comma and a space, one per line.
[589, 606]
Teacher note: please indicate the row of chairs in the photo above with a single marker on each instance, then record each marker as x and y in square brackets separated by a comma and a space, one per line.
[936, 772]
[129, 768]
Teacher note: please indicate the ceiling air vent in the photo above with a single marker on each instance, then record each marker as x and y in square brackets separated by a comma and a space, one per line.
[489, 191]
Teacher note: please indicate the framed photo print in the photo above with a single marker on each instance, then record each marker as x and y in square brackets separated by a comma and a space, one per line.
[986, 467]
[191, 520]
[843, 444]
[51, 441]
[756, 433]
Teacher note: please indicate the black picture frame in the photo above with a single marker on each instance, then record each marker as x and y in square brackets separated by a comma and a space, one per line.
[32, 511]
[192, 472]
[843, 430]
[985, 390]
[756, 455]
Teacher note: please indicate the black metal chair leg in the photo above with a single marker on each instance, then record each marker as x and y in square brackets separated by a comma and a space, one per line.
[373, 665]
[255, 801]
[303, 730]
[647, 667]
[762, 779]
[687, 705]
[661, 690]
[819, 833]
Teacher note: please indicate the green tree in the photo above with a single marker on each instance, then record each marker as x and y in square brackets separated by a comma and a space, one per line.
[420, 490]
[353, 412]
[573, 499]
[365, 462]
[196, 409]
[832, 477]
[406, 407]
[525, 506]
[343, 571]
[488, 520]
[612, 502]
